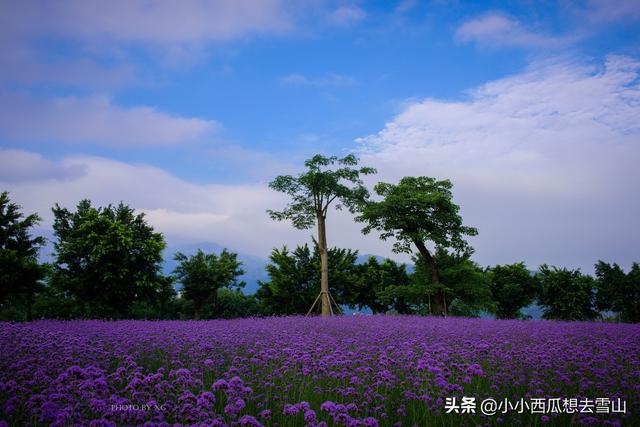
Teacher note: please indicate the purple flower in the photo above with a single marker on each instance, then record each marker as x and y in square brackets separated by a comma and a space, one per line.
[328, 406]
[220, 385]
[304, 406]
[310, 416]
[248, 420]
[370, 422]
[154, 373]
[475, 369]
[236, 383]
[290, 409]
[240, 404]
[266, 414]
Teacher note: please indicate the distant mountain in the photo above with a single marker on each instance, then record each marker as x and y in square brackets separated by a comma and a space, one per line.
[365, 257]
[533, 310]
[46, 252]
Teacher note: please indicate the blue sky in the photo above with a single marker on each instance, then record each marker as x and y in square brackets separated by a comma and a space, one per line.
[186, 110]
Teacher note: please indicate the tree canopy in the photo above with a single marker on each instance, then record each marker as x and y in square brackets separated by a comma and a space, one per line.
[20, 272]
[377, 286]
[617, 291]
[106, 259]
[464, 283]
[202, 275]
[415, 211]
[513, 288]
[566, 294]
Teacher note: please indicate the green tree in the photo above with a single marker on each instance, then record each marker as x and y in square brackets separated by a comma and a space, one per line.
[294, 277]
[53, 303]
[464, 283]
[20, 272]
[416, 211]
[292, 286]
[566, 294]
[513, 287]
[107, 259]
[376, 285]
[165, 299]
[202, 275]
[327, 179]
[619, 292]
[232, 303]
[161, 304]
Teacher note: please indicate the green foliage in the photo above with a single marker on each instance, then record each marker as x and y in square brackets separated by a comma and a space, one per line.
[418, 209]
[202, 275]
[52, 302]
[232, 303]
[376, 286]
[293, 282]
[465, 284]
[20, 273]
[313, 191]
[513, 287]
[107, 259]
[619, 292]
[566, 294]
[294, 277]
[327, 179]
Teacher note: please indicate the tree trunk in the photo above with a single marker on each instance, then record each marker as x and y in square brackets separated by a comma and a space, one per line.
[324, 266]
[438, 304]
[197, 309]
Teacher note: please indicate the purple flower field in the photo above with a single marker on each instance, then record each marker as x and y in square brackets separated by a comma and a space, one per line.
[296, 371]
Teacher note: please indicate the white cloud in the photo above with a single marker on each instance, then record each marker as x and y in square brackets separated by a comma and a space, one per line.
[20, 166]
[612, 10]
[497, 29]
[19, 65]
[230, 215]
[405, 6]
[158, 22]
[175, 32]
[347, 15]
[331, 79]
[544, 163]
[94, 119]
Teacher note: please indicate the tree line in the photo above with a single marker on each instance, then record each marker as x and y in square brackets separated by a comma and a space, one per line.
[107, 262]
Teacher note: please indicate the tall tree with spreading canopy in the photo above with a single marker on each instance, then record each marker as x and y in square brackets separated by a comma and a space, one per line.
[20, 273]
[416, 211]
[106, 258]
[326, 180]
[202, 275]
